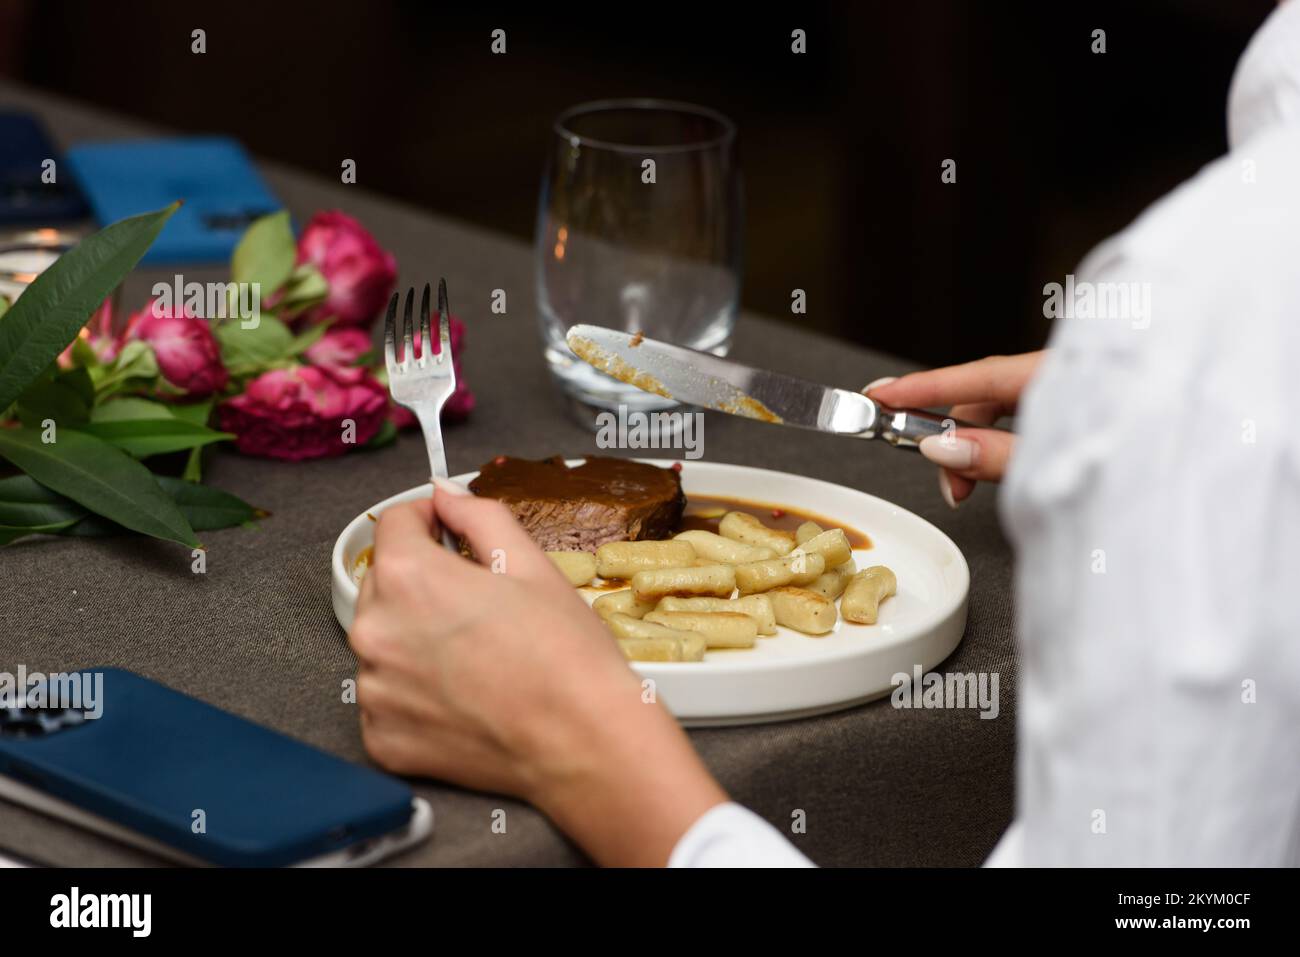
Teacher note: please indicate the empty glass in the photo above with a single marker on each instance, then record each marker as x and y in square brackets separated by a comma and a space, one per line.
[639, 229]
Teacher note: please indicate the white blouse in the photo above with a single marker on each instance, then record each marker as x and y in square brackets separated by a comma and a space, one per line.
[1154, 504]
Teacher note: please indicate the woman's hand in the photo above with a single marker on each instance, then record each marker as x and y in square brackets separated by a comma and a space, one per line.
[499, 677]
[979, 392]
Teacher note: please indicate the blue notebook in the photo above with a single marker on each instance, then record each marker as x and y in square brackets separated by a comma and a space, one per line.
[222, 191]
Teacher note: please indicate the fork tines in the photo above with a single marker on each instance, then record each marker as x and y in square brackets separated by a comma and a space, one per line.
[408, 330]
[444, 319]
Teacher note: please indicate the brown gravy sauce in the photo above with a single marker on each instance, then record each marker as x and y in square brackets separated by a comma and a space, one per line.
[706, 511]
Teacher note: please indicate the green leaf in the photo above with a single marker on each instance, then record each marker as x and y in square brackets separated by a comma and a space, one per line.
[207, 507]
[249, 351]
[199, 413]
[79, 381]
[307, 287]
[128, 408]
[83, 354]
[142, 438]
[135, 361]
[306, 283]
[66, 399]
[193, 471]
[308, 338]
[28, 506]
[4, 306]
[50, 313]
[9, 533]
[49, 400]
[26, 503]
[94, 526]
[196, 412]
[99, 477]
[265, 253]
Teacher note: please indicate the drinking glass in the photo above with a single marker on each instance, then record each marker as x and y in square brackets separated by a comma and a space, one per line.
[638, 228]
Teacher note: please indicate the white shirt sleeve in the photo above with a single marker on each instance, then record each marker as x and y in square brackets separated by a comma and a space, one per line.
[1154, 502]
[732, 836]
[1010, 850]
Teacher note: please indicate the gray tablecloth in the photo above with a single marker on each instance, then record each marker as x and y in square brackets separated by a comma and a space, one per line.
[256, 635]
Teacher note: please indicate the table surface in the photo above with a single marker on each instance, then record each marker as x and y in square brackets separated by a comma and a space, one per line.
[256, 634]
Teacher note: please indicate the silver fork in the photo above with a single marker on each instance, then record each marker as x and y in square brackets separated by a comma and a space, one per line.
[422, 383]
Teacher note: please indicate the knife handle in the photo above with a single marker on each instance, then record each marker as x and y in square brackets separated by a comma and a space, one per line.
[905, 428]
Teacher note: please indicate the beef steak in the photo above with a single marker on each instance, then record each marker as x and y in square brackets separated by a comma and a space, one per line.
[581, 508]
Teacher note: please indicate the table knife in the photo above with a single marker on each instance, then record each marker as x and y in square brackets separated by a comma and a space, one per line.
[703, 379]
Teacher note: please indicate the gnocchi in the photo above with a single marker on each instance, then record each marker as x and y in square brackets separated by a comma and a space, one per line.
[806, 531]
[798, 568]
[578, 567]
[663, 649]
[832, 545]
[680, 601]
[647, 641]
[625, 559]
[728, 551]
[833, 581]
[758, 607]
[716, 580]
[803, 610]
[621, 603]
[743, 527]
[865, 591]
[720, 629]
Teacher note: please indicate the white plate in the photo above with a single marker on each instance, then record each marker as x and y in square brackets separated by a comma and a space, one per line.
[788, 675]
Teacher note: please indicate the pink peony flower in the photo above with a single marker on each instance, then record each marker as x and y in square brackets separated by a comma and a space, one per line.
[339, 347]
[360, 273]
[186, 350]
[303, 412]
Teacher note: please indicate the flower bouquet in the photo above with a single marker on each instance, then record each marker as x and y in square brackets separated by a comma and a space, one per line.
[277, 361]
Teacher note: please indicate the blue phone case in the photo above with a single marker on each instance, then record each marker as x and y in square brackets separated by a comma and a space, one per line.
[155, 757]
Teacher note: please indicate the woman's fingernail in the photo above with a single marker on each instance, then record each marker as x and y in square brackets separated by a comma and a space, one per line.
[877, 383]
[945, 489]
[951, 451]
[448, 486]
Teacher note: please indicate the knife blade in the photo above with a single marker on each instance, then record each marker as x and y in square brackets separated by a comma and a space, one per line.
[703, 379]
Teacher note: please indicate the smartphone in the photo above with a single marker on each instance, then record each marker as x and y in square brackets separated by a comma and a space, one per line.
[120, 754]
[26, 198]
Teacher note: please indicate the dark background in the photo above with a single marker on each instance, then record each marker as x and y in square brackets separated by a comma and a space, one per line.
[1056, 147]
